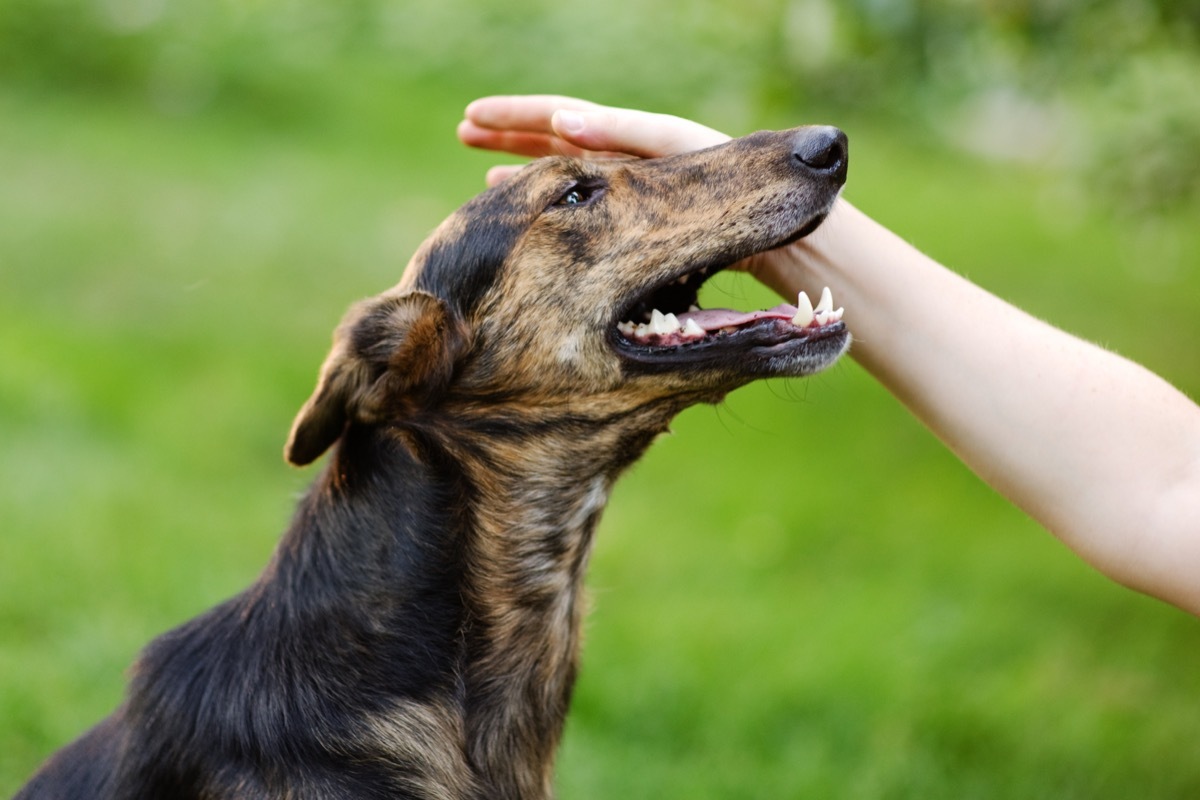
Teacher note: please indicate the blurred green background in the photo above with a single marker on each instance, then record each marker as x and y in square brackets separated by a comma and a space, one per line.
[800, 593]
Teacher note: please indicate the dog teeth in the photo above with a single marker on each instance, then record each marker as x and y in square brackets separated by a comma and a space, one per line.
[660, 324]
[829, 317]
[804, 311]
[823, 314]
[663, 324]
[826, 303]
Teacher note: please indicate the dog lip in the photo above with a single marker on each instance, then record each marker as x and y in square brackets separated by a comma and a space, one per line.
[742, 349]
[804, 231]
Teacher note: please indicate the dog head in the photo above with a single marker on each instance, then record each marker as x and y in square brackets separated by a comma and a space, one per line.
[575, 284]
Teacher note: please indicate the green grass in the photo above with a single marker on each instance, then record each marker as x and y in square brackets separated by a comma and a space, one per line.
[798, 594]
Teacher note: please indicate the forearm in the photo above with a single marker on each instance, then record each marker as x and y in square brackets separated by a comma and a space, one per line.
[1099, 450]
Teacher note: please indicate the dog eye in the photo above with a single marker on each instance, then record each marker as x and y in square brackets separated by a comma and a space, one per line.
[577, 195]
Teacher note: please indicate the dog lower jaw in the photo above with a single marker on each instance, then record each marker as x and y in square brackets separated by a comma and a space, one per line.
[764, 347]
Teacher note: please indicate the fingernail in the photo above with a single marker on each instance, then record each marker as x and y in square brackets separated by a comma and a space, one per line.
[568, 121]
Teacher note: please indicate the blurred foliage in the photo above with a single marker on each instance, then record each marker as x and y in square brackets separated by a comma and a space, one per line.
[1084, 86]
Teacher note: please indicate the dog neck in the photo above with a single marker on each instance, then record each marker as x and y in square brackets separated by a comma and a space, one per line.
[474, 542]
[538, 482]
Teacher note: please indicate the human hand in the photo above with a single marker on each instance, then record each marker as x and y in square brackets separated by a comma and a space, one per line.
[542, 125]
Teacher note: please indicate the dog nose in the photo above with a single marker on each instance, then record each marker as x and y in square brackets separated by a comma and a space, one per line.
[822, 148]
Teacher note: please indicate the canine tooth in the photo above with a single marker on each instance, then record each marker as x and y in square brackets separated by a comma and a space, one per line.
[692, 329]
[804, 311]
[826, 303]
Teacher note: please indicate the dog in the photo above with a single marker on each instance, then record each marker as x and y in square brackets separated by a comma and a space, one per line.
[416, 632]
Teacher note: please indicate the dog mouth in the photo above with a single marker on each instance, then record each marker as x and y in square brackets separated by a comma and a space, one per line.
[666, 327]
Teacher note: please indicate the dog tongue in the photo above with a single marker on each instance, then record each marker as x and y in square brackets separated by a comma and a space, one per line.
[714, 319]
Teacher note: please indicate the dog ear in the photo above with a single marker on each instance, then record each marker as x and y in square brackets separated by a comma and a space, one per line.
[391, 355]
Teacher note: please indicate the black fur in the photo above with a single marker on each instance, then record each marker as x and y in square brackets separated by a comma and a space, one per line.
[463, 269]
[273, 683]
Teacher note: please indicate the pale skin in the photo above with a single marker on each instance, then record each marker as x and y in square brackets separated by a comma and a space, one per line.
[1099, 450]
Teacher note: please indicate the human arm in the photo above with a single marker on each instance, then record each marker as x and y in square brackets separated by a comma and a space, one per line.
[1100, 451]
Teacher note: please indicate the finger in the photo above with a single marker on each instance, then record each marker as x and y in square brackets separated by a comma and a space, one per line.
[497, 175]
[637, 133]
[533, 145]
[522, 112]
[521, 143]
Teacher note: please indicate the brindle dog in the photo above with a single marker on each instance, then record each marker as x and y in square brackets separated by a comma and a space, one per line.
[416, 632]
